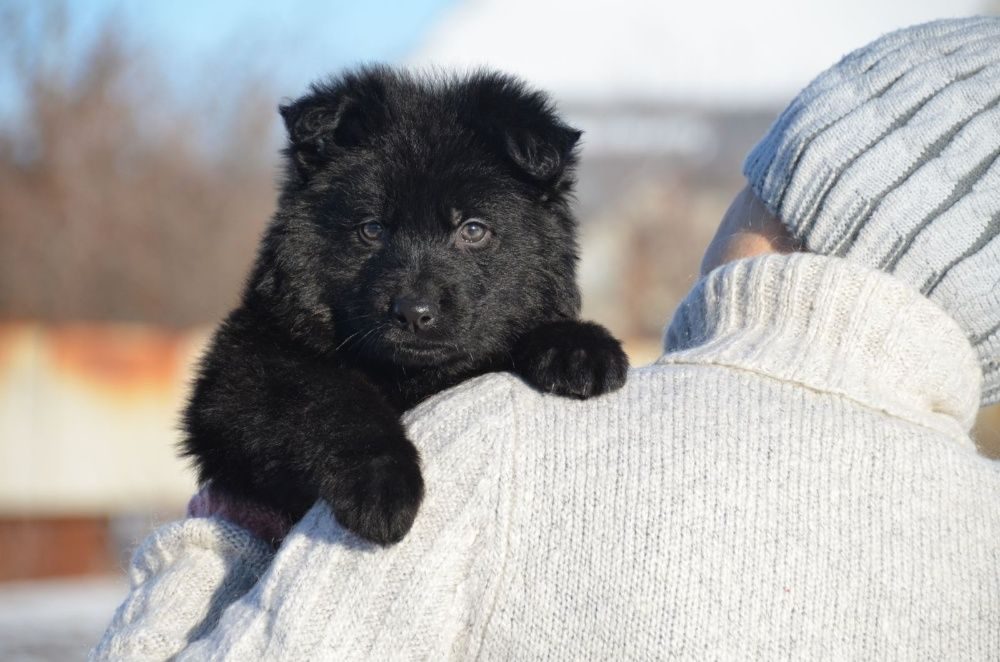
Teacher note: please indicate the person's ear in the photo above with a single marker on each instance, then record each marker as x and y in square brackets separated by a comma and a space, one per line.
[747, 229]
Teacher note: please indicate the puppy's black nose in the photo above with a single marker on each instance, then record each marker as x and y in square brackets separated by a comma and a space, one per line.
[417, 314]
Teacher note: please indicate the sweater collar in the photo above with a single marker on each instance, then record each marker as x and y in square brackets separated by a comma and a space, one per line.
[834, 326]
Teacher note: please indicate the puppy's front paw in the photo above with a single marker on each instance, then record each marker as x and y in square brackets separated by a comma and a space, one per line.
[572, 358]
[377, 496]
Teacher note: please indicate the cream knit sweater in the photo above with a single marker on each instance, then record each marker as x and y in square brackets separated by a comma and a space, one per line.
[794, 479]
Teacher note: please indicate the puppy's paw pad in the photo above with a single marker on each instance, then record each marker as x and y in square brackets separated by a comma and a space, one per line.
[378, 498]
[572, 359]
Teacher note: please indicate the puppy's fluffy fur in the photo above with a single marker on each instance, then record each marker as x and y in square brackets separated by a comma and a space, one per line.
[423, 236]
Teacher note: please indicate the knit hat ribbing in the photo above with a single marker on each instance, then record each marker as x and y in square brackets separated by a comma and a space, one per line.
[892, 158]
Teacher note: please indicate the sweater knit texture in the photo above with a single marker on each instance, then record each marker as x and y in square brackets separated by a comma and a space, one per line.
[892, 158]
[793, 479]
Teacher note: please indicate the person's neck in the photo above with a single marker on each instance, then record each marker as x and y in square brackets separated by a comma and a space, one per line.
[834, 326]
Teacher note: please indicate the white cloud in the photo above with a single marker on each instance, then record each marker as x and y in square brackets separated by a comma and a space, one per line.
[741, 51]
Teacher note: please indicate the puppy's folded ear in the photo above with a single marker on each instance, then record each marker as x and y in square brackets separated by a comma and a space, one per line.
[523, 125]
[336, 116]
[545, 153]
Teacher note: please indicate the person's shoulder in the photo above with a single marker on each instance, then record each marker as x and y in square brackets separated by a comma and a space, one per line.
[465, 410]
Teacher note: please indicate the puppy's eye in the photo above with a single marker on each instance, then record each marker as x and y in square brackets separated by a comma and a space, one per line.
[371, 231]
[473, 232]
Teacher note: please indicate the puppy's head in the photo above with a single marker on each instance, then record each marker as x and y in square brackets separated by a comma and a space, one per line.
[422, 221]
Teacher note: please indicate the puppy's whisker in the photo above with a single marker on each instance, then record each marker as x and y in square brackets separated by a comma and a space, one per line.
[346, 340]
[359, 317]
[359, 341]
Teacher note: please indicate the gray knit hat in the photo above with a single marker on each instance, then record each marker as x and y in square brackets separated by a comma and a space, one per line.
[892, 158]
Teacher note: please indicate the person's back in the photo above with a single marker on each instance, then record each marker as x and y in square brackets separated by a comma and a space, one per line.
[773, 489]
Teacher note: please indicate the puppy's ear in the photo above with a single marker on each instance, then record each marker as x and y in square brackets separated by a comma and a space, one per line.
[544, 153]
[337, 116]
[525, 128]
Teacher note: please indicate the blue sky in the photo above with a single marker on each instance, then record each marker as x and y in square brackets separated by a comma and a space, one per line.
[294, 41]
[288, 43]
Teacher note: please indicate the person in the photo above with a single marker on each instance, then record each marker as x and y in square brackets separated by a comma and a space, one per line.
[794, 478]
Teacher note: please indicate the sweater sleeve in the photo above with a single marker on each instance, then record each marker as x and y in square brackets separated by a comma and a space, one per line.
[331, 595]
[182, 578]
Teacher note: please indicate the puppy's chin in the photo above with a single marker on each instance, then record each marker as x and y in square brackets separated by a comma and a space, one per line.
[418, 356]
[402, 348]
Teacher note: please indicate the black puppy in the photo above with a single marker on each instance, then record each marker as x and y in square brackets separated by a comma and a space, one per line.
[423, 236]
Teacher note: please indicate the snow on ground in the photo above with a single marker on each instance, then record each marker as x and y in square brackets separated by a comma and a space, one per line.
[56, 620]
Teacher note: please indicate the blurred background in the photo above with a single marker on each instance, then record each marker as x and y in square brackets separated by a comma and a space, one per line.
[138, 158]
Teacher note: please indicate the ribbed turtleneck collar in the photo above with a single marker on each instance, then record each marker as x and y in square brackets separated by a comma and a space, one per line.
[833, 326]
